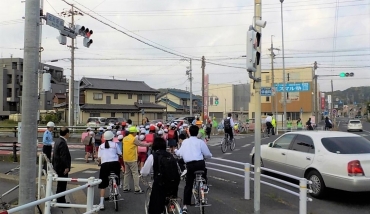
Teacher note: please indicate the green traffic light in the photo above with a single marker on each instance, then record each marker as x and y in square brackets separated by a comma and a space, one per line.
[342, 74]
[216, 102]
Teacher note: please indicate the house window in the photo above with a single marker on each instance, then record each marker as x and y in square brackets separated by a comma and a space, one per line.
[129, 96]
[14, 65]
[267, 99]
[9, 79]
[253, 115]
[108, 100]
[116, 96]
[144, 98]
[113, 114]
[211, 101]
[94, 114]
[267, 79]
[98, 96]
[125, 116]
[132, 114]
[49, 103]
[184, 103]
[8, 92]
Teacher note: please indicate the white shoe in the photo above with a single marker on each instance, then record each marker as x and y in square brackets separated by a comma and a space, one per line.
[101, 206]
[184, 172]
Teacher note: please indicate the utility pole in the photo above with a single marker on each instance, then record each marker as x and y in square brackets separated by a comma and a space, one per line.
[204, 98]
[273, 98]
[284, 80]
[71, 100]
[191, 88]
[27, 176]
[315, 96]
[167, 106]
[41, 93]
[331, 104]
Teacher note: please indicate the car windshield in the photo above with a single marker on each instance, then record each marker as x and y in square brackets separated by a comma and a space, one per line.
[346, 145]
[354, 122]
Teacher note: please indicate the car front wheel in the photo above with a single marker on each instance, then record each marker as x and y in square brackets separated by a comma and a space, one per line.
[318, 186]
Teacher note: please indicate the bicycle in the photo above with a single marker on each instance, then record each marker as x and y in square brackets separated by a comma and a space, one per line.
[265, 132]
[172, 205]
[114, 190]
[198, 191]
[225, 142]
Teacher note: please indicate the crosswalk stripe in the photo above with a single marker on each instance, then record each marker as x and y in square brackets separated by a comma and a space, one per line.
[246, 145]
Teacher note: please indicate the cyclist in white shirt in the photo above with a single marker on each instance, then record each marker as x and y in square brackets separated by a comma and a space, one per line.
[108, 156]
[268, 121]
[193, 151]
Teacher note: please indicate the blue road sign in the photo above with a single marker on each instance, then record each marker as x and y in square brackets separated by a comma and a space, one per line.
[326, 112]
[340, 101]
[293, 87]
[266, 92]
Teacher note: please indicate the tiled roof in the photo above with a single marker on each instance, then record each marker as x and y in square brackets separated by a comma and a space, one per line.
[63, 104]
[108, 107]
[170, 103]
[149, 105]
[181, 94]
[60, 95]
[117, 85]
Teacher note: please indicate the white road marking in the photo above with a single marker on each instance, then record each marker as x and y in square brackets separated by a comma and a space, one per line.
[79, 158]
[366, 131]
[236, 149]
[72, 150]
[228, 153]
[89, 172]
[246, 145]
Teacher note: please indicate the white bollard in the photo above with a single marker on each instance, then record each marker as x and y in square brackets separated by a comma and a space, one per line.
[247, 181]
[49, 185]
[90, 195]
[303, 196]
[39, 177]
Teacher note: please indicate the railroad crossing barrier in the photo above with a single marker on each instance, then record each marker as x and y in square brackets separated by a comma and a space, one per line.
[302, 194]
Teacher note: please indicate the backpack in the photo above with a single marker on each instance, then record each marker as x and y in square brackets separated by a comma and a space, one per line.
[171, 134]
[227, 124]
[87, 140]
[98, 137]
[168, 172]
[149, 138]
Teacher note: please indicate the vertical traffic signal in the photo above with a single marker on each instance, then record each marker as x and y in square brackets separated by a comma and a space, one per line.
[344, 74]
[216, 101]
[86, 33]
[253, 55]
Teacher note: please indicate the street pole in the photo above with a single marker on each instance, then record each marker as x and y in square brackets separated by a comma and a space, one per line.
[204, 98]
[315, 97]
[41, 93]
[331, 104]
[71, 99]
[284, 81]
[274, 101]
[191, 89]
[257, 101]
[27, 175]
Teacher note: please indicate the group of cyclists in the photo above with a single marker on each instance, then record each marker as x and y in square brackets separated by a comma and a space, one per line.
[142, 150]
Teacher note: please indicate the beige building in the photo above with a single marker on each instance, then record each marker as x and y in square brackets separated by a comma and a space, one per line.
[231, 99]
[118, 98]
[299, 104]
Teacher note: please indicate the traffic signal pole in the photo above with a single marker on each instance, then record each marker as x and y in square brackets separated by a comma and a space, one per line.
[191, 89]
[27, 175]
[257, 102]
[71, 92]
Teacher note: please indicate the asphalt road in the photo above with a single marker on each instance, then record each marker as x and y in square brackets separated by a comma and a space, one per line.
[226, 193]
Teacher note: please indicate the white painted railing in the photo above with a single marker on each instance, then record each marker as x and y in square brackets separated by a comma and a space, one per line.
[302, 194]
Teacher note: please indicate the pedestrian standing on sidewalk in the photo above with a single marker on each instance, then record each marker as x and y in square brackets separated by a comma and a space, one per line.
[62, 161]
[47, 141]
[215, 126]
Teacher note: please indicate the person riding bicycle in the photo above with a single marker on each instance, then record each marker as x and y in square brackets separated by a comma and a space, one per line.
[108, 156]
[268, 122]
[160, 188]
[228, 124]
[193, 151]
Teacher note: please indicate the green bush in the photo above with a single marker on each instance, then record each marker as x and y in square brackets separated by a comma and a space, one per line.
[52, 117]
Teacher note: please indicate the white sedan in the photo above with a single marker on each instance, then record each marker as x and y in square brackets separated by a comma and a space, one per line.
[354, 125]
[337, 160]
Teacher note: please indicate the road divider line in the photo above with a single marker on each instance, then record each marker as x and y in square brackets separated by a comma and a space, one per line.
[228, 153]
[246, 145]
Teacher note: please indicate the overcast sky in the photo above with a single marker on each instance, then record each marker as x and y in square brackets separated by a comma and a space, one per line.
[215, 29]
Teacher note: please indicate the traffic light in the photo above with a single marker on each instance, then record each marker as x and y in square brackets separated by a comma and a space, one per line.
[253, 55]
[85, 32]
[216, 101]
[343, 74]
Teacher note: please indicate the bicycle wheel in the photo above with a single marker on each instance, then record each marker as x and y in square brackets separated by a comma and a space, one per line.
[201, 207]
[232, 145]
[115, 202]
[224, 145]
[173, 207]
[147, 199]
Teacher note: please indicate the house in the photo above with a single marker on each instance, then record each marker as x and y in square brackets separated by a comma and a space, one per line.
[177, 102]
[127, 99]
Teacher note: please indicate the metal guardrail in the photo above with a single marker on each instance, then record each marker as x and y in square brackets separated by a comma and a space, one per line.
[73, 129]
[302, 194]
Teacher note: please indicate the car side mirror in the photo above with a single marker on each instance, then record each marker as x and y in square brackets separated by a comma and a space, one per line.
[269, 144]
